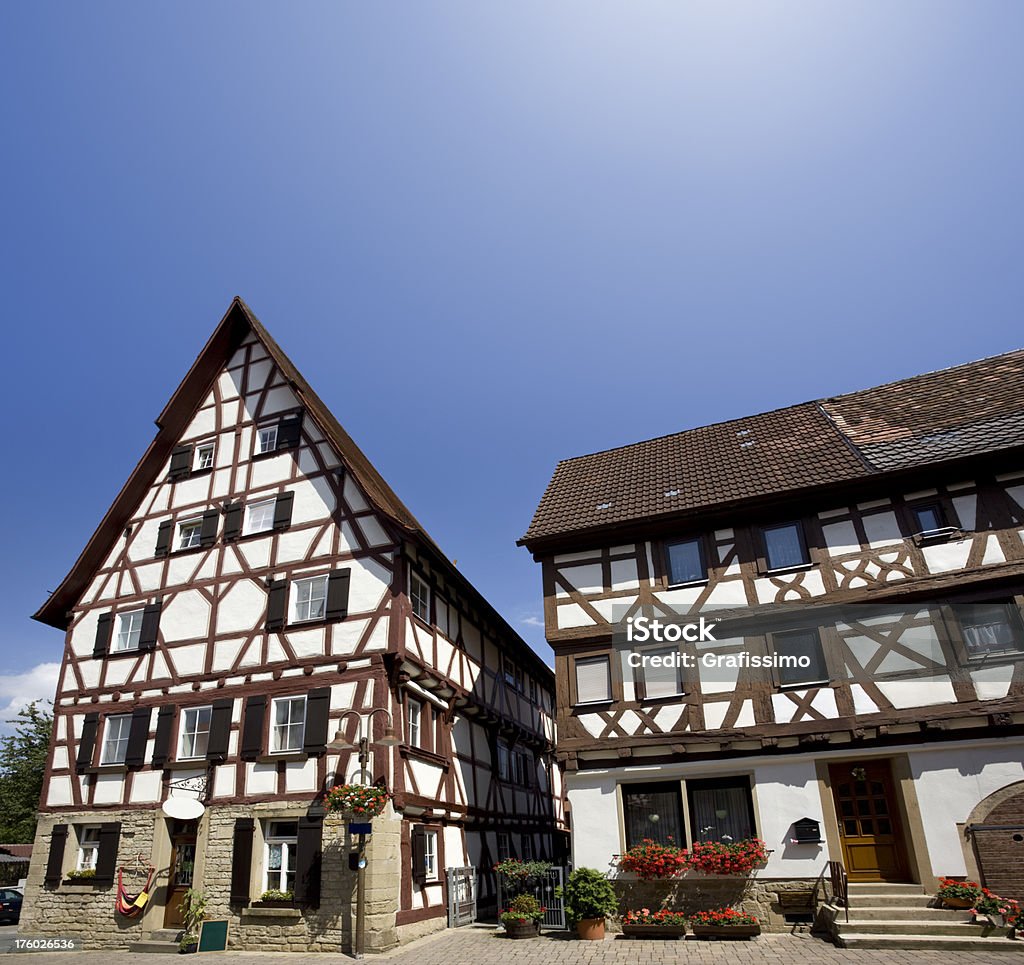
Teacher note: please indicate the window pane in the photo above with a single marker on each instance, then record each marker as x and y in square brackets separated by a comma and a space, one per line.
[684, 562]
[259, 517]
[129, 630]
[801, 643]
[653, 811]
[593, 679]
[289, 724]
[721, 812]
[267, 441]
[928, 518]
[989, 628]
[784, 546]
[662, 681]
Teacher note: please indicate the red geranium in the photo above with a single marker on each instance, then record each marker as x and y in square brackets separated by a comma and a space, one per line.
[649, 859]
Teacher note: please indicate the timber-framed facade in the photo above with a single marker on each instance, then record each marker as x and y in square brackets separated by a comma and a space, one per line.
[881, 534]
[254, 582]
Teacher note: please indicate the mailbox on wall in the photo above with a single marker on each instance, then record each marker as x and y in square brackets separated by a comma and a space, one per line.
[806, 831]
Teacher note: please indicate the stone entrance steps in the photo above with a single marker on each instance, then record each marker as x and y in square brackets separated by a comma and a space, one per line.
[162, 941]
[899, 917]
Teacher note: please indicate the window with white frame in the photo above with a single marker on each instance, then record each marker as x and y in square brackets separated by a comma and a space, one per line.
[195, 732]
[309, 599]
[413, 714]
[419, 596]
[204, 456]
[259, 517]
[430, 855]
[279, 863]
[88, 846]
[129, 631]
[190, 533]
[266, 439]
[115, 739]
[288, 724]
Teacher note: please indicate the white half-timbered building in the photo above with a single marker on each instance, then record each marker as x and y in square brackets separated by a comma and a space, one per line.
[254, 582]
[902, 738]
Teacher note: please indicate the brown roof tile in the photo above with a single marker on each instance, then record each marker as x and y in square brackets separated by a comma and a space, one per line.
[972, 408]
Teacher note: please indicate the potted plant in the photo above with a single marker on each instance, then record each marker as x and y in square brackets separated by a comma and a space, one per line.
[649, 860]
[958, 894]
[82, 874]
[999, 911]
[193, 911]
[724, 923]
[359, 800]
[589, 899]
[523, 916]
[728, 857]
[654, 924]
[273, 898]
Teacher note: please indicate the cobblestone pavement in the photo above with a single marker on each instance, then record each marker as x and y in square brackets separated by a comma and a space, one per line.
[481, 946]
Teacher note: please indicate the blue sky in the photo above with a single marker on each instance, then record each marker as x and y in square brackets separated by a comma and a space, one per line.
[490, 235]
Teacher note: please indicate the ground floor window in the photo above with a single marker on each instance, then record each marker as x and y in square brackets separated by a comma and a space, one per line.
[721, 809]
[88, 847]
[430, 855]
[279, 863]
[653, 811]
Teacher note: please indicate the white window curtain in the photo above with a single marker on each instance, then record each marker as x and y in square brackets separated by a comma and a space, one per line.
[653, 811]
[721, 814]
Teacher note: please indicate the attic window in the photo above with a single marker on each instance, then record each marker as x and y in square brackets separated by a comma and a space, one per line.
[604, 505]
[671, 492]
[743, 432]
[266, 441]
[204, 456]
[283, 433]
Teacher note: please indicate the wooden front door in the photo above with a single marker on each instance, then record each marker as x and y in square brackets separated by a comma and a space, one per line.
[869, 825]
[183, 860]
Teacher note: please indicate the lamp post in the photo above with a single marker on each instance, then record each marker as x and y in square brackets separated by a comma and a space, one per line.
[341, 743]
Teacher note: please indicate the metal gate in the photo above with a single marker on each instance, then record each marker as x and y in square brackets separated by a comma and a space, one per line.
[461, 896]
[543, 889]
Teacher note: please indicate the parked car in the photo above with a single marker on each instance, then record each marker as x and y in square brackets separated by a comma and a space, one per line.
[10, 906]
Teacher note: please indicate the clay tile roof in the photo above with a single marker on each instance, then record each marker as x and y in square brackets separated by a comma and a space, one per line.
[972, 408]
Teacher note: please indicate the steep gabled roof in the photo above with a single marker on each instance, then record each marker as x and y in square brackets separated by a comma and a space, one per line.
[233, 328]
[961, 411]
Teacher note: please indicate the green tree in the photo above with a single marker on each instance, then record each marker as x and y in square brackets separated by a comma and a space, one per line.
[22, 763]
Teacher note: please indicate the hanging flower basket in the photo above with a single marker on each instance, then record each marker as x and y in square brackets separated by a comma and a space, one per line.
[359, 800]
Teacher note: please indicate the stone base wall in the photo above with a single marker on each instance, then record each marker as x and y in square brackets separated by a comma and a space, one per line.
[86, 911]
[755, 896]
[420, 929]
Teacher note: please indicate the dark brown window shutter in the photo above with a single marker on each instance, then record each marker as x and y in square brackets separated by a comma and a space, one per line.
[106, 854]
[337, 594]
[277, 600]
[252, 727]
[288, 431]
[233, 521]
[150, 626]
[163, 538]
[164, 731]
[220, 730]
[318, 707]
[138, 736]
[283, 510]
[181, 462]
[208, 531]
[419, 854]
[308, 859]
[55, 860]
[104, 629]
[241, 860]
[87, 742]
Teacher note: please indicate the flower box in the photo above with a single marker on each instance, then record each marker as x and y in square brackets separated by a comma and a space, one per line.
[726, 931]
[958, 902]
[654, 931]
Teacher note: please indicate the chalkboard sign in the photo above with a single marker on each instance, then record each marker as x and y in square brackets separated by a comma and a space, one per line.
[213, 936]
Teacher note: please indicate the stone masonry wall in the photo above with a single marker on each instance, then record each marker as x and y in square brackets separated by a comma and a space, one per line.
[1000, 848]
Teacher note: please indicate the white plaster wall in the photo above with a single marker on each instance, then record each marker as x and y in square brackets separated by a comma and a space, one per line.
[950, 782]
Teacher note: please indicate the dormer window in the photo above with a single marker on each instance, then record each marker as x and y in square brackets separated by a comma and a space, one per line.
[204, 457]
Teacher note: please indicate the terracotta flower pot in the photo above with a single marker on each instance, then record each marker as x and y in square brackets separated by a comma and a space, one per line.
[958, 902]
[590, 929]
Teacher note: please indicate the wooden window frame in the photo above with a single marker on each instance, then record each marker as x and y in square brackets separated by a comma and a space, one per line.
[626, 787]
[640, 677]
[702, 551]
[775, 671]
[273, 725]
[116, 635]
[428, 619]
[200, 448]
[81, 830]
[763, 564]
[742, 782]
[182, 717]
[573, 690]
[293, 599]
[287, 841]
[955, 631]
[247, 510]
[122, 738]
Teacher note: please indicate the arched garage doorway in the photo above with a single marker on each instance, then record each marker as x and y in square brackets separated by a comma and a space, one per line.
[996, 830]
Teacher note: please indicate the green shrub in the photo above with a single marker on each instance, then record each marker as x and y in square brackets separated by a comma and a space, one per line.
[588, 894]
[274, 895]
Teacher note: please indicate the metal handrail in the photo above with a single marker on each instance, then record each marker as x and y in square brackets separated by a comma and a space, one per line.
[840, 885]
